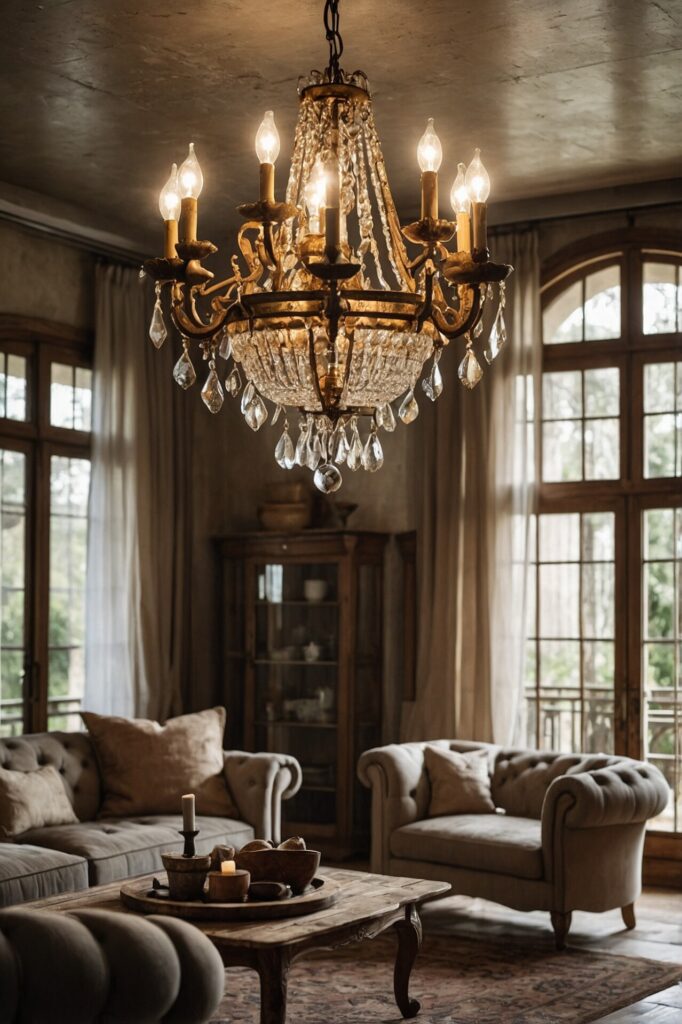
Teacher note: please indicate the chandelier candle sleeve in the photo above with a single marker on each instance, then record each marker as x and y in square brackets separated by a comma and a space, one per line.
[461, 204]
[169, 207]
[478, 183]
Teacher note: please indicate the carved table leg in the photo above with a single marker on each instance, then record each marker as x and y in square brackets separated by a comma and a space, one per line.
[409, 941]
[273, 971]
[561, 924]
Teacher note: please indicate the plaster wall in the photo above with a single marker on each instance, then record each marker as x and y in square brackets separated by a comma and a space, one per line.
[44, 278]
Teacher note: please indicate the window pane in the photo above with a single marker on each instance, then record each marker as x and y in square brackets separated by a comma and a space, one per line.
[602, 450]
[659, 298]
[12, 584]
[560, 538]
[659, 387]
[61, 395]
[598, 542]
[70, 396]
[562, 319]
[12, 386]
[559, 600]
[602, 304]
[602, 391]
[82, 409]
[659, 596]
[659, 533]
[562, 395]
[69, 487]
[660, 442]
[571, 690]
[562, 451]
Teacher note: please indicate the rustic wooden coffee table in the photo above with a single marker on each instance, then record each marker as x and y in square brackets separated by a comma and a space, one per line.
[369, 905]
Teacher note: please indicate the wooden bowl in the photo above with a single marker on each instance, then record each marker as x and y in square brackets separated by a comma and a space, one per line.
[296, 868]
[288, 518]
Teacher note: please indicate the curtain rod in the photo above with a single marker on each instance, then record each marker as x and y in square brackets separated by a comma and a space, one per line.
[630, 212]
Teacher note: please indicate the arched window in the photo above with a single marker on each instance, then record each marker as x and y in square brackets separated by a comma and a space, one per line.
[605, 659]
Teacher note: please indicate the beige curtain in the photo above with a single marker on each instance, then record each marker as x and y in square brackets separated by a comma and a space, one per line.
[477, 475]
[138, 543]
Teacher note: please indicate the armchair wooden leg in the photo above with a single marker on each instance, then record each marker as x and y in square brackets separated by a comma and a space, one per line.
[561, 924]
[629, 916]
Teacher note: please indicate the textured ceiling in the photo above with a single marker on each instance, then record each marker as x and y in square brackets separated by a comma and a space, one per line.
[97, 97]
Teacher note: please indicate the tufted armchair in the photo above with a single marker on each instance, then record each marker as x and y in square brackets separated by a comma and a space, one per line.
[96, 965]
[568, 833]
[66, 858]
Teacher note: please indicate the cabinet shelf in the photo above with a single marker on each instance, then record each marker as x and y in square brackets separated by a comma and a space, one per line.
[291, 724]
[292, 661]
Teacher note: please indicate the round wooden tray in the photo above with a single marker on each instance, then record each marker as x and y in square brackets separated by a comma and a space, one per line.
[321, 893]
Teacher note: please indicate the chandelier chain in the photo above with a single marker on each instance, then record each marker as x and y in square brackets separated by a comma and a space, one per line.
[331, 24]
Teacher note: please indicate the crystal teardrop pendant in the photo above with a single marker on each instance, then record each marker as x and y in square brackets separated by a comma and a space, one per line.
[212, 391]
[470, 371]
[372, 454]
[233, 382]
[409, 410]
[301, 443]
[327, 478]
[313, 451]
[249, 392]
[388, 418]
[183, 371]
[339, 444]
[284, 450]
[498, 336]
[256, 412]
[225, 348]
[433, 384]
[354, 457]
[279, 409]
[157, 328]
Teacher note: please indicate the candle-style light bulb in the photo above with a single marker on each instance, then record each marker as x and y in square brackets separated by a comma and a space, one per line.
[316, 196]
[429, 149]
[267, 139]
[190, 176]
[477, 179]
[460, 196]
[169, 198]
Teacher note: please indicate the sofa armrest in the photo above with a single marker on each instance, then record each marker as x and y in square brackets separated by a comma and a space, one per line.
[258, 784]
[397, 778]
[623, 793]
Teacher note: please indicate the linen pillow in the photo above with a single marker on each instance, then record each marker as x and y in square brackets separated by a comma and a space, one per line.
[33, 800]
[460, 782]
[146, 767]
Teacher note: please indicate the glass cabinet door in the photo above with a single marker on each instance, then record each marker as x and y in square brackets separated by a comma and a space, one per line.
[295, 659]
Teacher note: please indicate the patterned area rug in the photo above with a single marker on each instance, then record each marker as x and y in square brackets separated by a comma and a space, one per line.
[458, 981]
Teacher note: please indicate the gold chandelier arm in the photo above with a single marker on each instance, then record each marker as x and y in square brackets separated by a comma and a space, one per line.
[454, 322]
[186, 318]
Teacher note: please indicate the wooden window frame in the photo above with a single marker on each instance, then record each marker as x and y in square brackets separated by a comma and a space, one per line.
[633, 492]
[42, 343]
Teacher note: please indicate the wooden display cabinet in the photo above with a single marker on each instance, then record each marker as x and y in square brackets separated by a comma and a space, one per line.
[303, 667]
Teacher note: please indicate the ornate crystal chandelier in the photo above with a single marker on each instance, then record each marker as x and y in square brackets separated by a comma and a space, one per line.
[324, 312]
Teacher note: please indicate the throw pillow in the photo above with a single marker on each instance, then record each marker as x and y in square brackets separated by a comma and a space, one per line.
[460, 782]
[33, 800]
[147, 767]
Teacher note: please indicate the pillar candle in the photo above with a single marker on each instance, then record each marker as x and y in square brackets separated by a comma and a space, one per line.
[429, 183]
[463, 232]
[228, 867]
[188, 219]
[480, 225]
[171, 238]
[267, 183]
[188, 819]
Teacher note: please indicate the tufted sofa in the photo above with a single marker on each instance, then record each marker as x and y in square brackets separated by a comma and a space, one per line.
[66, 858]
[568, 833]
[96, 965]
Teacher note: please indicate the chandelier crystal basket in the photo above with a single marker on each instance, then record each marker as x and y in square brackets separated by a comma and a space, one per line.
[324, 313]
